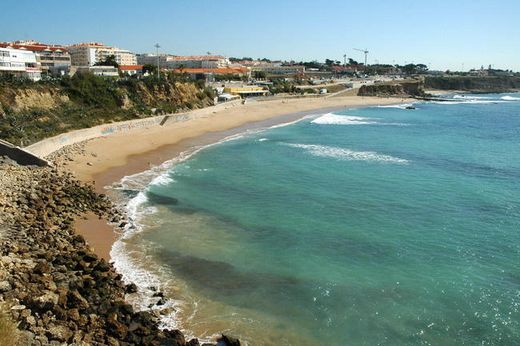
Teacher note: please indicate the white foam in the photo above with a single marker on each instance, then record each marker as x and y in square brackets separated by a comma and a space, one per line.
[263, 139]
[399, 106]
[163, 179]
[472, 97]
[347, 154]
[467, 102]
[510, 98]
[335, 119]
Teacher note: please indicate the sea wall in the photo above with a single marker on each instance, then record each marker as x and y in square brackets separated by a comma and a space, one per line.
[48, 146]
[21, 156]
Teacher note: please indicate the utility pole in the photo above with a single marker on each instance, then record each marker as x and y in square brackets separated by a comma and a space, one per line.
[344, 59]
[157, 53]
[365, 51]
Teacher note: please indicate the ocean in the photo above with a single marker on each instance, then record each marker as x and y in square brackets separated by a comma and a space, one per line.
[369, 226]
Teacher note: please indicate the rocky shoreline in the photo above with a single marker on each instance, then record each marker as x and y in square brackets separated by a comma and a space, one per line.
[54, 287]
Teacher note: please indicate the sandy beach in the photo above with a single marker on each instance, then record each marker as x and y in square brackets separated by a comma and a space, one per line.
[108, 159]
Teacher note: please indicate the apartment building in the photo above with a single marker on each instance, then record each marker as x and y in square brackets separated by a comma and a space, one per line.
[19, 62]
[88, 54]
[192, 61]
[54, 59]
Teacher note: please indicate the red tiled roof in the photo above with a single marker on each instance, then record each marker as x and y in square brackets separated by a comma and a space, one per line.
[130, 67]
[226, 70]
[32, 47]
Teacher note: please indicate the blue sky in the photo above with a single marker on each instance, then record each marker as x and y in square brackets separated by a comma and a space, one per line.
[445, 34]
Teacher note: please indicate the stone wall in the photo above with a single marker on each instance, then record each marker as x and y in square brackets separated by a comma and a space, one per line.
[21, 156]
[50, 145]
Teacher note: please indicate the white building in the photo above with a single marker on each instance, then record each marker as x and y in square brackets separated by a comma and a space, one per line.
[191, 61]
[101, 71]
[20, 63]
[88, 54]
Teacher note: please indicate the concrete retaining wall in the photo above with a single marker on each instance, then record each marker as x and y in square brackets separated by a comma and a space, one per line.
[50, 145]
[20, 155]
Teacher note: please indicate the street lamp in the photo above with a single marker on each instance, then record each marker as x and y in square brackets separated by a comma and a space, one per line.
[157, 53]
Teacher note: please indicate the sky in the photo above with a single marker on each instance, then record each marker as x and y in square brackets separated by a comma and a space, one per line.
[443, 34]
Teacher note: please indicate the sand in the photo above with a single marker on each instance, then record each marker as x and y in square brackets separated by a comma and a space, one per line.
[108, 159]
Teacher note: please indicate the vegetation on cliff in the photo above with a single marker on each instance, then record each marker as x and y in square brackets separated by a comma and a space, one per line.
[32, 111]
[475, 84]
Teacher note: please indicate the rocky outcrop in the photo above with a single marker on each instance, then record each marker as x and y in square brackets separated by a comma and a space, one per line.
[58, 290]
[403, 89]
[475, 84]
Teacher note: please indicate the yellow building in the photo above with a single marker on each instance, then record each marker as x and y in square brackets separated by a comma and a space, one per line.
[249, 90]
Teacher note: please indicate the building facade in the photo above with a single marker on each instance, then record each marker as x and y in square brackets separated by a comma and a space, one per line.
[192, 61]
[275, 69]
[20, 63]
[89, 54]
[54, 59]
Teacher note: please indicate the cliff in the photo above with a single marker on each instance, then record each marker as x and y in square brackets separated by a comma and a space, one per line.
[398, 89]
[33, 111]
[475, 84]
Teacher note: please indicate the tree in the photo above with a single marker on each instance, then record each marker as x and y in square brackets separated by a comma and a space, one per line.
[151, 69]
[109, 61]
[259, 74]
[352, 62]
[329, 62]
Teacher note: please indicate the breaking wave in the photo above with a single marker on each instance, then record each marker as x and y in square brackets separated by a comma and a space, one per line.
[335, 119]
[347, 154]
[510, 98]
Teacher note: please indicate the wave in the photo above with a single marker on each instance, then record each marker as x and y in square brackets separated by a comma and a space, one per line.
[400, 106]
[347, 154]
[335, 119]
[471, 97]
[510, 98]
[467, 102]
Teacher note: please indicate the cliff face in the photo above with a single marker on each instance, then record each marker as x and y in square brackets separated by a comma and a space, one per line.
[32, 111]
[20, 99]
[402, 89]
[482, 84]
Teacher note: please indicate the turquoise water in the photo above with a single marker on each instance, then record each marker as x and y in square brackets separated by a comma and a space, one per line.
[362, 227]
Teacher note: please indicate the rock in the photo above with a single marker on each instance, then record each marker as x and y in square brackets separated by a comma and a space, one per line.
[58, 333]
[73, 314]
[76, 300]
[131, 288]
[5, 286]
[226, 340]
[47, 300]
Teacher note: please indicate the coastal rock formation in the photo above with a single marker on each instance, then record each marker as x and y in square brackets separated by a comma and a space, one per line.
[52, 283]
[474, 84]
[403, 89]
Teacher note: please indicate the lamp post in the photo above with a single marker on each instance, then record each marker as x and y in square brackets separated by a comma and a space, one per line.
[157, 53]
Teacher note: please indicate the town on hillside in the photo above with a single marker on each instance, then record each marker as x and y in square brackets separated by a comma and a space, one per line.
[230, 77]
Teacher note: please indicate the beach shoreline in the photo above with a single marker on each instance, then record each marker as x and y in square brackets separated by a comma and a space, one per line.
[106, 160]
